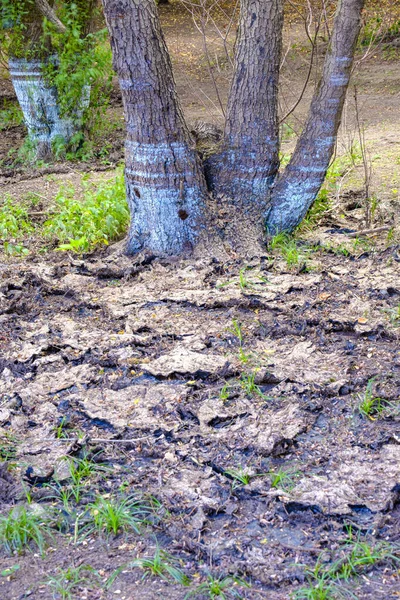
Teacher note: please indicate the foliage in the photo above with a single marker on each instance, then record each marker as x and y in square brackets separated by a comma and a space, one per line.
[21, 528]
[116, 515]
[371, 406]
[10, 116]
[283, 479]
[101, 217]
[287, 247]
[219, 587]
[357, 556]
[66, 581]
[161, 565]
[14, 220]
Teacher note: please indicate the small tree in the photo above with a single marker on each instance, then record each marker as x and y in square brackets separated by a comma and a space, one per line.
[166, 183]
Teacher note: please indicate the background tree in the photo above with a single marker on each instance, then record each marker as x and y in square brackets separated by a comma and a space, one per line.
[165, 181]
[31, 29]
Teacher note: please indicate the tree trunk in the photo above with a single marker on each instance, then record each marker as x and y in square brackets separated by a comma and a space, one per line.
[30, 55]
[298, 186]
[249, 160]
[164, 178]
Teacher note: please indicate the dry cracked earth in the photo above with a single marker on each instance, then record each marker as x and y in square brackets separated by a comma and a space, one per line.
[182, 378]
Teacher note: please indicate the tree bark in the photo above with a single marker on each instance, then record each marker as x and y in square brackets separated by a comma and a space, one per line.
[164, 178]
[249, 160]
[298, 186]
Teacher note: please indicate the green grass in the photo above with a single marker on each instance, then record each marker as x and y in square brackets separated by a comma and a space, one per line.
[161, 565]
[240, 477]
[248, 384]
[21, 529]
[219, 587]
[101, 217]
[65, 583]
[283, 479]
[117, 515]
[370, 405]
[356, 557]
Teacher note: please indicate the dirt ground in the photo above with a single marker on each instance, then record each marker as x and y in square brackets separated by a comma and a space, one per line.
[177, 379]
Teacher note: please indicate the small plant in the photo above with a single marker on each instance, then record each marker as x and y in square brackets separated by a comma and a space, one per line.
[371, 406]
[393, 315]
[8, 446]
[243, 281]
[65, 582]
[236, 330]
[81, 471]
[161, 565]
[20, 529]
[287, 246]
[114, 515]
[282, 479]
[224, 393]
[240, 477]
[219, 587]
[248, 384]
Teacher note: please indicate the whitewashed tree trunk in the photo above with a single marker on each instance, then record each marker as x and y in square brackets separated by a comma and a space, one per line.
[164, 179]
[40, 106]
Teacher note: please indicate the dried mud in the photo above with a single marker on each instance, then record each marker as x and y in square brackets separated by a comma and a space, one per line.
[140, 350]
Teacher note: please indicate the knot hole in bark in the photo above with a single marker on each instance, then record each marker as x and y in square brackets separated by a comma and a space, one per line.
[137, 193]
[182, 214]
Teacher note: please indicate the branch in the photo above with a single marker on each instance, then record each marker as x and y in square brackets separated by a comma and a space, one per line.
[49, 13]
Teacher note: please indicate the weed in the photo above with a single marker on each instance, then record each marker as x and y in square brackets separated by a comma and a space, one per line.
[243, 281]
[240, 477]
[249, 386]
[243, 357]
[393, 315]
[8, 446]
[14, 220]
[325, 580]
[224, 392]
[20, 529]
[102, 216]
[219, 587]
[286, 245]
[236, 330]
[283, 479]
[371, 406]
[81, 471]
[114, 515]
[161, 565]
[9, 571]
[66, 581]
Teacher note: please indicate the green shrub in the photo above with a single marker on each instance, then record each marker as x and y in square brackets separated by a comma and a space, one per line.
[102, 216]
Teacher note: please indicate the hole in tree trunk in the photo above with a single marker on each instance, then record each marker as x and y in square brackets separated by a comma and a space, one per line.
[183, 214]
[137, 193]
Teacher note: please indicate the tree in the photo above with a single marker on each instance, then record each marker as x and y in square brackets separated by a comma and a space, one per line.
[168, 188]
[30, 28]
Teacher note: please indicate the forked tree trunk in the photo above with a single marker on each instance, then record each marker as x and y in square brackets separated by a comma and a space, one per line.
[298, 186]
[164, 178]
[249, 160]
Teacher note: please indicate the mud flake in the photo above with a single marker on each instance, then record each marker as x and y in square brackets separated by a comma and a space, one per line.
[181, 361]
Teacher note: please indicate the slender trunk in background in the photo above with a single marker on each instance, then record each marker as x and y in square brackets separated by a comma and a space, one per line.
[249, 160]
[164, 178]
[298, 186]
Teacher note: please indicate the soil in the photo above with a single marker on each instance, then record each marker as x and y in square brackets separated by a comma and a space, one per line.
[145, 366]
